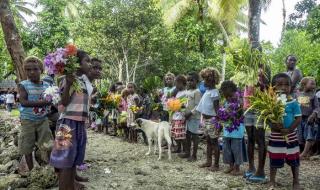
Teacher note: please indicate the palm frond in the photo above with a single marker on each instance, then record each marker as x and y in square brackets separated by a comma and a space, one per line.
[174, 13]
[25, 10]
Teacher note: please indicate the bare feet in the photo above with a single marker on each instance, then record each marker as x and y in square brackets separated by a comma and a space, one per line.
[81, 179]
[205, 165]
[214, 168]
[228, 170]
[236, 173]
[296, 186]
[79, 186]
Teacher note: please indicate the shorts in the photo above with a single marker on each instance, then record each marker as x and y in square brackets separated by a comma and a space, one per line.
[283, 150]
[251, 119]
[307, 132]
[233, 151]
[34, 133]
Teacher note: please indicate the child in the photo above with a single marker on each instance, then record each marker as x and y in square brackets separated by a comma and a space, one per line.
[192, 117]
[166, 93]
[133, 100]
[283, 141]
[255, 130]
[123, 107]
[233, 151]
[310, 109]
[208, 107]
[34, 122]
[178, 130]
[71, 138]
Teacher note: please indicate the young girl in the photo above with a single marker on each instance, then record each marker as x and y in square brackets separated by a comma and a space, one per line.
[233, 146]
[71, 138]
[133, 100]
[178, 130]
[307, 131]
[192, 117]
[123, 107]
[166, 93]
[283, 141]
[208, 107]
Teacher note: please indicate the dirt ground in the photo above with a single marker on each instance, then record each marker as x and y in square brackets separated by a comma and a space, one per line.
[116, 164]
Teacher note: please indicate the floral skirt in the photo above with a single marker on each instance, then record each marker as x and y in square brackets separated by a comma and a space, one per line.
[69, 145]
[178, 130]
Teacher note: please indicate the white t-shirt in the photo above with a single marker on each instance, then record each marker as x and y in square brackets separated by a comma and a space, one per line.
[88, 84]
[9, 98]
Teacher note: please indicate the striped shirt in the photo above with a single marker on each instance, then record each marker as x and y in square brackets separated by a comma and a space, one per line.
[34, 92]
[78, 108]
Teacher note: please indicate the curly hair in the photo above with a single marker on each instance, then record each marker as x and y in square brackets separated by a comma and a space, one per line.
[304, 81]
[211, 72]
[34, 59]
[169, 74]
[194, 76]
[228, 86]
[182, 79]
[276, 77]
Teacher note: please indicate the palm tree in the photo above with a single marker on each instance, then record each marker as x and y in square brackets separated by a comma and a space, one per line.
[19, 8]
[226, 14]
[12, 38]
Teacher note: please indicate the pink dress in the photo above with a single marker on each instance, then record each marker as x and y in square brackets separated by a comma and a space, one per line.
[248, 91]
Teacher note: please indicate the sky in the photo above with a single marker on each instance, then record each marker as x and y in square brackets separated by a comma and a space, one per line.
[272, 17]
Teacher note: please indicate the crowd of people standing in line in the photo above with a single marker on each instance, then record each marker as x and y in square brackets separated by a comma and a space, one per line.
[66, 142]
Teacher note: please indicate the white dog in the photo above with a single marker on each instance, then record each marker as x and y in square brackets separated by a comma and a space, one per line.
[157, 132]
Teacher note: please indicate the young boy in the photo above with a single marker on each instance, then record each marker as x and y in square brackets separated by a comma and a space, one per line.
[34, 123]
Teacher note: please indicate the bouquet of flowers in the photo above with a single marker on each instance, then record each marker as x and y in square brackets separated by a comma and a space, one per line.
[175, 104]
[62, 62]
[135, 109]
[52, 94]
[230, 116]
[269, 105]
[111, 101]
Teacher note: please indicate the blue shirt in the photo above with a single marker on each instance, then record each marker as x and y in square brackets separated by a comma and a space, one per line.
[238, 134]
[34, 92]
[202, 87]
[292, 110]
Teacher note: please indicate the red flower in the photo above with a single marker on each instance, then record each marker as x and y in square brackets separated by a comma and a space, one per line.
[71, 50]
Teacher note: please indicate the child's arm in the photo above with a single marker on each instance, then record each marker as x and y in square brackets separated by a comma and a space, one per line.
[65, 97]
[26, 103]
[293, 126]
[316, 110]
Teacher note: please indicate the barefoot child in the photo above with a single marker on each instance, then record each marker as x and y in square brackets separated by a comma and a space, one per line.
[208, 107]
[192, 117]
[233, 146]
[33, 110]
[166, 93]
[71, 138]
[283, 141]
[178, 130]
[307, 131]
[133, 100]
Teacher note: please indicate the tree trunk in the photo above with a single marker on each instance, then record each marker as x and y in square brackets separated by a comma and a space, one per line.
[284, 18]
[201, 35]
[254, 22]
[120, 75]
[12, 39]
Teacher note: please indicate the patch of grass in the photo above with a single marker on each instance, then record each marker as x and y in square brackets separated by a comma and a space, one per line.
[15, 113]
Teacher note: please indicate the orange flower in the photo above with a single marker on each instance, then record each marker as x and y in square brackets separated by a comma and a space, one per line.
[174, 104]
[71, 49]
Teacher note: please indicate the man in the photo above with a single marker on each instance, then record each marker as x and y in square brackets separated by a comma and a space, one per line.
[294, 73]
[9, 101]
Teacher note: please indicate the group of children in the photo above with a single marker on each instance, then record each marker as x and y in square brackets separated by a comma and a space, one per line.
[189, 124]
[194, 121]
